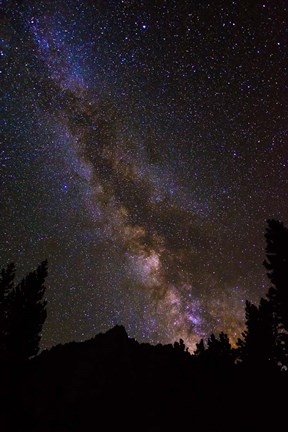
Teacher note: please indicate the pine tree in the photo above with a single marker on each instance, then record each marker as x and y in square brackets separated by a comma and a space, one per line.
[220, 349]
[216, 352]
[28, 313]
[265, 340]
[6, 285]
[277, 265]
[23, 312]
[257, 348]
[200, 348]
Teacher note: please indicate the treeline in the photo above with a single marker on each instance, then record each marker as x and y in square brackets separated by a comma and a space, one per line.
[112, 382]
[264, 343]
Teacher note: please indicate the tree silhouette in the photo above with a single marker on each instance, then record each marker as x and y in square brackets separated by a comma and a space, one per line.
[277, 265]
[257, 348]
[23, 312]
[265, 340]
[200, 348]
[180, 346]
[6, 285]
[216, 352]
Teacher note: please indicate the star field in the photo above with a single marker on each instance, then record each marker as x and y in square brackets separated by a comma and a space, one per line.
[145, 145]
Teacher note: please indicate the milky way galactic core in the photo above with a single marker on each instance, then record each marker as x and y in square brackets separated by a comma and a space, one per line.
[145, 145]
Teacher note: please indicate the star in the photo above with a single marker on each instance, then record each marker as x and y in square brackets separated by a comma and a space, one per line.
[145, 146]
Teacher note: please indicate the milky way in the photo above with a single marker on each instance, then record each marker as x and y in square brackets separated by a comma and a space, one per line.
[145, 145]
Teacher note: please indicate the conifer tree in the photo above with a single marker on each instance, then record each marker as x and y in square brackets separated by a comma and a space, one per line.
[277, 265]
[200, 348]
[6, 285]
[265, 340]
[216, 352]
[23, 312]
[257, 348]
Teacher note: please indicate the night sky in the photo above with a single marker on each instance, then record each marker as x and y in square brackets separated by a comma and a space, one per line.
[145, 144]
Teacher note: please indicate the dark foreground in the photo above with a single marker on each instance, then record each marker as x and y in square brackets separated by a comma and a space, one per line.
[114, 383]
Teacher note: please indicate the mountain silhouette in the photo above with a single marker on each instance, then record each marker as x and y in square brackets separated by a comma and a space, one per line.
[112, 382]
